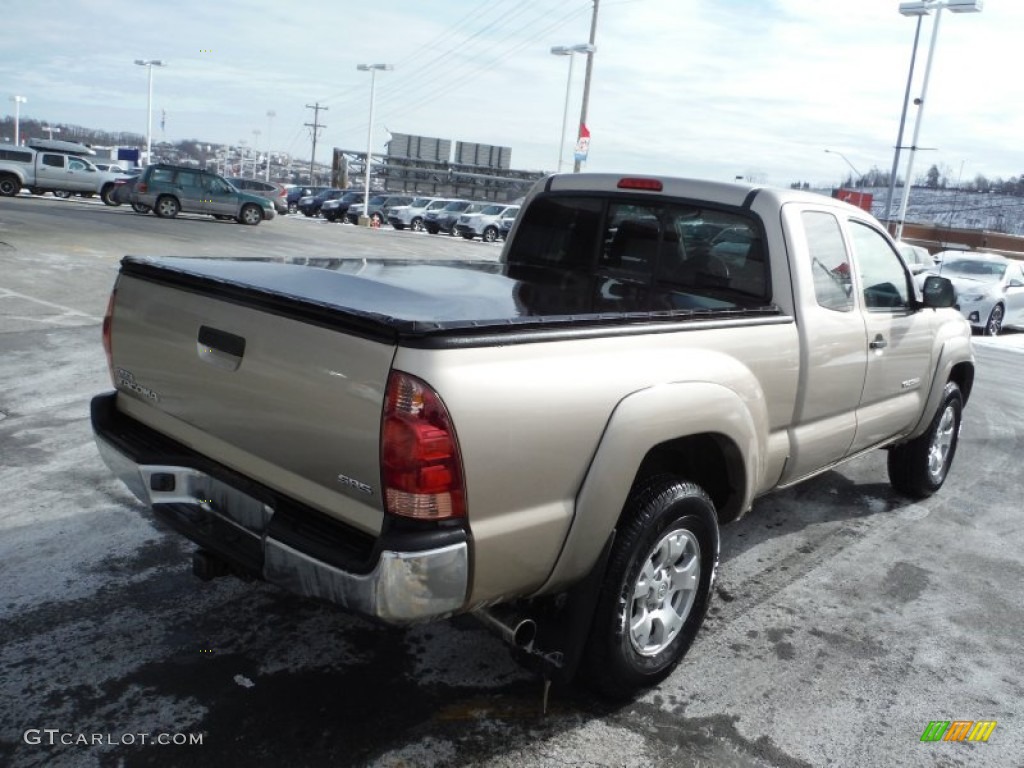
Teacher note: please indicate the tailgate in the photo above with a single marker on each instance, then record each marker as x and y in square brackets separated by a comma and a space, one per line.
[291, 404]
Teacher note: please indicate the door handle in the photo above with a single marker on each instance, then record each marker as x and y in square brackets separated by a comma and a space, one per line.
[879, 342]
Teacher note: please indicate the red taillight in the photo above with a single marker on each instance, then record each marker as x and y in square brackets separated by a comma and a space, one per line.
[140, 187]
[651, 185]
[108, 347]
[421, 469]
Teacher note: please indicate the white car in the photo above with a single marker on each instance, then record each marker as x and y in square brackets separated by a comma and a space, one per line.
[989, 290]
[485, 224]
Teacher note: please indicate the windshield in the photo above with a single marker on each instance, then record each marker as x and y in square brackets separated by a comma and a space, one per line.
[986, 271]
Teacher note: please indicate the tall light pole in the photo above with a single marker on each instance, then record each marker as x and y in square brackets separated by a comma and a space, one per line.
[255, 150]
[570, 51]
[271, 114]
[916, 9]
[859, 174]
[149, 64]
[903, 122]
[586, 83]
[18, 101]
[372, 69]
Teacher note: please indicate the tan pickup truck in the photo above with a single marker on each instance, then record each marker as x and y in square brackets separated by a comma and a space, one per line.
[550, 442]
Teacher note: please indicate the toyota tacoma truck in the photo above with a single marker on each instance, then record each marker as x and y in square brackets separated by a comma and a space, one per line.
[549, 441]
[54, 166]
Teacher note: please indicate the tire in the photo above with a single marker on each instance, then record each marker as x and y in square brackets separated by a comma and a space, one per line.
[140, 208]
[490, 234]
[293, 208]
[63, 194]
[995, 321]
[9, 185]
[107, 196]
[918, 468]
[416, 225]
[250, 215]
[166, 207]
[668, 527]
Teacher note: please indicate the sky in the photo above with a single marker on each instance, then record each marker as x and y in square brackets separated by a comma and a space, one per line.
[700, 88]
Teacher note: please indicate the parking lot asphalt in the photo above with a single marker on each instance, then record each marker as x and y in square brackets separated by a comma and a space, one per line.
[845, 617]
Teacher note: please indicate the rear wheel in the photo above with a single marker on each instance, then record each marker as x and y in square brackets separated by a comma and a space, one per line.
[919, 468]
[140, 208]
[293, 208]
[490, 234]
[657, 587]
[107, 195]
[250, 215]
[167, 207]
[9, 186]
[416, 225]
[63, 194]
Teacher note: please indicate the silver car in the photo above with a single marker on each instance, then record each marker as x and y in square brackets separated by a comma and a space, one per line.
[989, 289]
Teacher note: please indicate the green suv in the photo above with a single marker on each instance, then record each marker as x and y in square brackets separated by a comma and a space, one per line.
[169, 190]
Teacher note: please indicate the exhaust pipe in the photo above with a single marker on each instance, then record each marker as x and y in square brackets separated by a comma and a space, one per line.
[516, 630]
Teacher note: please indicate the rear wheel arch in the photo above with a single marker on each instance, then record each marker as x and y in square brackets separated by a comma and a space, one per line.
[712, 460]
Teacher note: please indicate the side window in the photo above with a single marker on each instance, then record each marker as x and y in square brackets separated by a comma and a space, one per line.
[830, 264]
[161, 175]
[882, 276]
[54, 161]
[188, 179]
[76, 165]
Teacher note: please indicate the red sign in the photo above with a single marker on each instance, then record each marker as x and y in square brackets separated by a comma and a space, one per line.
[860, 199]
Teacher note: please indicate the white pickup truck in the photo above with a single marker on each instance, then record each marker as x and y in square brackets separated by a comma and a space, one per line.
[550, 442]
[58, 167]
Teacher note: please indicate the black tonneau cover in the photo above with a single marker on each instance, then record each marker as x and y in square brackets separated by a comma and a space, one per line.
[436, 303]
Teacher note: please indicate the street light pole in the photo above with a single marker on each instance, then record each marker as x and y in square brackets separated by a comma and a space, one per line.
[271, 114]
[852, 167]
[586, 82]
[255, 150]
[916, 8]
[372, 69]
[570, 51]
[903, 122]
[18, 101]
[149, 64]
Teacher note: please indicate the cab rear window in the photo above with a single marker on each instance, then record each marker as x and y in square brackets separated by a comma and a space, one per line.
[665, 254]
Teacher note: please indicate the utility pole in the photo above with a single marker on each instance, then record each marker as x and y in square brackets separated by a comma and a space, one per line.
[316, 126]
[586, 82]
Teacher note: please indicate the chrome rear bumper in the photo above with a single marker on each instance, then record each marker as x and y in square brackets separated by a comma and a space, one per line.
[402, 587]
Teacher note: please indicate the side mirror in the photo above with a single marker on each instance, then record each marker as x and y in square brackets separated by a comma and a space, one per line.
[938, 292]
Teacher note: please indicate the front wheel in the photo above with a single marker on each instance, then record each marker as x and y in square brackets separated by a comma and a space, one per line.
[250, 215]
[657, 588]
[63, 194]
[167, 207]
[490, 234]
[416, 225]
[995, 321]
[918, 468]
[140, 208]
